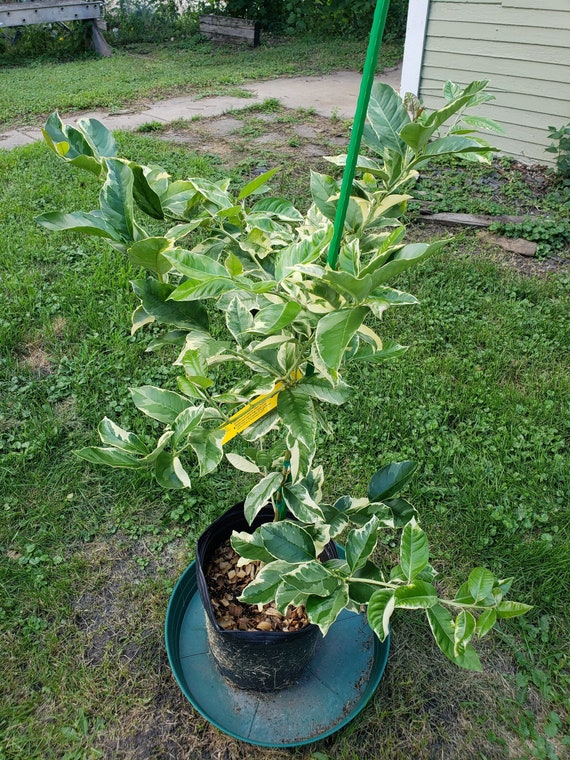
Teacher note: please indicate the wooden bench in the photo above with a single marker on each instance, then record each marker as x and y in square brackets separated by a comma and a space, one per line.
[227, 29]
[50, 11]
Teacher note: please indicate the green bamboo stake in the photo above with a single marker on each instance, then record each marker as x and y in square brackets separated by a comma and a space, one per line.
[366, 83]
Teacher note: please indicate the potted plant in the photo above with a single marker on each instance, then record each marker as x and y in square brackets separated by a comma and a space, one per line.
[262, 328]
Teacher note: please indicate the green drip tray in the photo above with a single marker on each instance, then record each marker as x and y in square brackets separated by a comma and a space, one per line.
[339, 681]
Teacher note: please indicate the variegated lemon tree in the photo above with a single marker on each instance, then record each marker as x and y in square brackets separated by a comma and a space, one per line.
[292, 322]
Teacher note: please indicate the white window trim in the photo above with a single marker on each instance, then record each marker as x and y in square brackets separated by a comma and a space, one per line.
[414, 46]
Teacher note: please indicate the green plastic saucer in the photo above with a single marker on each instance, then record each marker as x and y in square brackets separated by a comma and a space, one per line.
[339, 681]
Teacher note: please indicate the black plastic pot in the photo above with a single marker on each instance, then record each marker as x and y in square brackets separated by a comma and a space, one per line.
[256, 660]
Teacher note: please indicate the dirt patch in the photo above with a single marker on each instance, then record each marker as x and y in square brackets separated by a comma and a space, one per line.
[249, 141]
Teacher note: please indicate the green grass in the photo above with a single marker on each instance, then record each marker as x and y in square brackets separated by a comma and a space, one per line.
[29, 93]
[88, 556]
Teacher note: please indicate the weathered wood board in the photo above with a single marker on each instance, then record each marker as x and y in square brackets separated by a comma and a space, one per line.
[48, 12]
[228, 29]
[57, 11]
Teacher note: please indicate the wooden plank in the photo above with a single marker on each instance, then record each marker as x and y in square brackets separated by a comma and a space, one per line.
[469, 220]
[228, 29]
[466, 13]
[23, 14]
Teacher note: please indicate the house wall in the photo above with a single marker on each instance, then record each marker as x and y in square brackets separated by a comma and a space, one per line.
[521, 46]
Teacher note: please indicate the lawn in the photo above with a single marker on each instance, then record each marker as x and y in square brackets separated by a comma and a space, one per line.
[145, 71]
[89, 557]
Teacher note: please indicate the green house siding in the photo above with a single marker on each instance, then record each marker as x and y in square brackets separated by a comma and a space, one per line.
[522, 47]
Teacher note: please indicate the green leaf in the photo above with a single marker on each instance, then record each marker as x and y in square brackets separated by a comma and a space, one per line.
[144, 194]
[369, 353]
[465, 625]
[319, 388]
[406, 258]
[187, 420]
[169, 472]
[300, 503]
[113, 435]
[116, 199]
[387, 116]
[147, 253]
[323, 611]
[453, 144]
[356, 288]
[263, 589]
[416, 595]
[512, 609]
[312, 578]
[335, 518]
[89, 223]
[334, 332]
[159, 404]
[485, 622]
[70, 144]
[210, 287]
[287, 541]
[297, 414]
[242, 463]
[111, 457]
[416, 135]
[196, 266]
[207, 445]
[301, 457]
[361, 543]
[302, 252]
[480, 583]
[379, 612]
[256, 183]
[250, 546]
[100, 138]
[233, 265]
[359, 592]
[238, 320]
[260, 495]
[390, 479]
[279, 208]
[325, 191]
[482, 122]
[272, 319]
[288, 595]
[154, 297]
[414, 550]
[402, 511]
[443, 629]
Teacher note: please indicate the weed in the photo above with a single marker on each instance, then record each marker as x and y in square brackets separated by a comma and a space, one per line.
[153, 126]
[552, 236]
[561, 149]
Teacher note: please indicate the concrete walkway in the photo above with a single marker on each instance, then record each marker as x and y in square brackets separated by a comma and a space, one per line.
[327, 95]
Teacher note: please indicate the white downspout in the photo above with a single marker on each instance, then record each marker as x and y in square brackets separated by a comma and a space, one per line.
[414, 46]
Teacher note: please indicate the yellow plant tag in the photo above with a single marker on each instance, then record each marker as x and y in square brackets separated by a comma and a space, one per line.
[250, 413]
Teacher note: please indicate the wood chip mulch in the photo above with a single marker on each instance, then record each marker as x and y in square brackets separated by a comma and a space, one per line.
[226, 581]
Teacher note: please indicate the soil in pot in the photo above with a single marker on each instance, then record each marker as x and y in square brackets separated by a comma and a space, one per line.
[226, 581]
